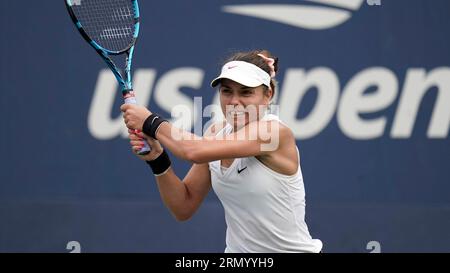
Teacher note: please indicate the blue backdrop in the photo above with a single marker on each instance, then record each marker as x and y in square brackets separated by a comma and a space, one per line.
[365, 88]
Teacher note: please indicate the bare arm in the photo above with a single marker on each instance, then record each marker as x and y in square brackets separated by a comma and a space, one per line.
[248, 141]
[259, 138]
[270, 141]
[182, 198]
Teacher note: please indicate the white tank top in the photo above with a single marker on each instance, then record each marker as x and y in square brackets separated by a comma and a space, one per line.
[264, 210]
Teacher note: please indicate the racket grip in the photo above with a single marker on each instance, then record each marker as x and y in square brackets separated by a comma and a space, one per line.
[130, 98]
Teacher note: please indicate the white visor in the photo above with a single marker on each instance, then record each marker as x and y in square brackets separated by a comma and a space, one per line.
[244, 73]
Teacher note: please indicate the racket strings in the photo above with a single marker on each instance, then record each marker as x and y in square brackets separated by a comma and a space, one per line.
[110, 23]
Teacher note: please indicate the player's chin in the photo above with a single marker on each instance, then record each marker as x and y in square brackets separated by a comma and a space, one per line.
[238, 121]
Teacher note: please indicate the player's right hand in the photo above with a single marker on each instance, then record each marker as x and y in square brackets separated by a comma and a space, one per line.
[137, 143]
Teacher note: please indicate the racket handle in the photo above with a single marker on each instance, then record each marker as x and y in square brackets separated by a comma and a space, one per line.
[130, 98]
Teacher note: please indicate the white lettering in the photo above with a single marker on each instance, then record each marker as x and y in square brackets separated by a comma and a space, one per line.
[417, 83]
[368, 92]
[354, 102]
[296, 84]
[168, 94]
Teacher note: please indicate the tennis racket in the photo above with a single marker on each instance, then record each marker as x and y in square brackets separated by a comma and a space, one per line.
[111, 27]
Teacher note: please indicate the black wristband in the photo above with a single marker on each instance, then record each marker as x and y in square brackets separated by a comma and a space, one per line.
[152, 124]
[161, 164]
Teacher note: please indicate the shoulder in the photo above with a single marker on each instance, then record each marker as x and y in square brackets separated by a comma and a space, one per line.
[280, 153]
[287, 134]
[268, 129]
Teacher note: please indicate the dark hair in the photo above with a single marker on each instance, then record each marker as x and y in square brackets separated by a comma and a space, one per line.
[253, 58]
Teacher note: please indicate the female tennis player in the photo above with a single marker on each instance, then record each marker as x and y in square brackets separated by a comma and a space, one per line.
[255, 172]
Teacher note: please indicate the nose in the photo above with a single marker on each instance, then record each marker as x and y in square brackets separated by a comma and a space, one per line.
[234, 100]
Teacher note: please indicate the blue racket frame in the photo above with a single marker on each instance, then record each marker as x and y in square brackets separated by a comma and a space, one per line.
[125, 80]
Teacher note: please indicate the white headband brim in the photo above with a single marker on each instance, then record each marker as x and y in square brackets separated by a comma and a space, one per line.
[244, 73]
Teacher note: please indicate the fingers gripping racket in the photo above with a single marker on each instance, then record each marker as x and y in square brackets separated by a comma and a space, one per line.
[111, 27]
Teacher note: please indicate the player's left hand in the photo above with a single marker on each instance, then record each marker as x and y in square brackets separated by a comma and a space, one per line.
[135, 116]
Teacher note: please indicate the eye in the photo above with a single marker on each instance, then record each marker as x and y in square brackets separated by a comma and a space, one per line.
[246, 93]
[225, 91]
